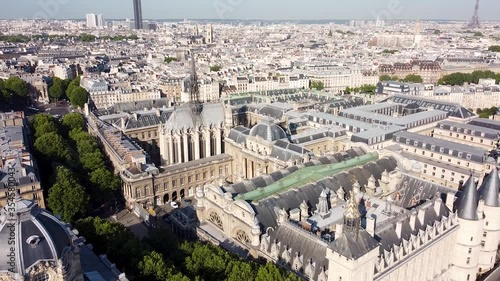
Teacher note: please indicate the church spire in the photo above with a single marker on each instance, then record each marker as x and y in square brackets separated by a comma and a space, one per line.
[352, 217]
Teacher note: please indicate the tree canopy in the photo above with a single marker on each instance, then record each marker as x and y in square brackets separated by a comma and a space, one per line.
[386, 77]
[215, 68]
[73, 121]
[79, 97]
[52, 146]
[58, 89]
[161, 257]
[73, 85]
[458, 78]
[413, 78]
[67, 197]
[17, 86]
[317, 85]
[494, 48]
[168, 60]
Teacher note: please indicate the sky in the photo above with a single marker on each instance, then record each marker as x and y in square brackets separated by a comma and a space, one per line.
[253, 9]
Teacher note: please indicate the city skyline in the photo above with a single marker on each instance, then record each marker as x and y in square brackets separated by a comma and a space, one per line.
[277, 10]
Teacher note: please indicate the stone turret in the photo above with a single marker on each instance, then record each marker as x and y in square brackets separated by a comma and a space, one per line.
[466, 252]
[488, 195]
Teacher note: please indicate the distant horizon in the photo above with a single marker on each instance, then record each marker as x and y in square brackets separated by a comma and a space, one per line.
[256, 19]
[263, 10]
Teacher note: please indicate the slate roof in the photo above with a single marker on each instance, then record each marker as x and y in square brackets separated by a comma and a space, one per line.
[457, 150]
[454, 110]
[309, 246]
[469, 129]
[387, 236]
[265, 208]
[354, 245]
[467, 201]
[489, 189]
[486, 123]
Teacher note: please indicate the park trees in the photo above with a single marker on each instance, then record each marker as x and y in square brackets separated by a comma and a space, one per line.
[67, 197]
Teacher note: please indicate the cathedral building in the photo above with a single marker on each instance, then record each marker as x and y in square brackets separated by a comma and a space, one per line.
[36, 246]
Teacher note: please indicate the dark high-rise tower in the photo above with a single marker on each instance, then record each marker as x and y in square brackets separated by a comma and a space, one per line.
[474, 22]
[138, 14]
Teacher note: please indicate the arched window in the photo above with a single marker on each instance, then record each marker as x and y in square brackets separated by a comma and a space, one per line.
[242, 237]
[215, 219]
[138, 192]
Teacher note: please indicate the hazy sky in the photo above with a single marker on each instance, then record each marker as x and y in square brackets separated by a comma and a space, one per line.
[254, 9]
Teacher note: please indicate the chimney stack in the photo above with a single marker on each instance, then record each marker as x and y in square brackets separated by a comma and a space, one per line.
[370, 224]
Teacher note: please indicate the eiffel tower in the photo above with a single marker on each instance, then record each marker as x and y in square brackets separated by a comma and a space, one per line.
[474, 22]
[194, 91]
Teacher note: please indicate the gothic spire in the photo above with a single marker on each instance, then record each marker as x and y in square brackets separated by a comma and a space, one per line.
[352, 217]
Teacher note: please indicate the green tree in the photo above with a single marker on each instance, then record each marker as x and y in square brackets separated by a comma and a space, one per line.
[413, 78]
[73, 85]
[58, 88]
[52, 146]
[73, 121]
[215, 68]
[367, 89]
[17, 86]
[105, 182]
[478, 34]
[153, 267]
[168, 60]
[79, 97]
[317, 85]
[92, 161]
[269, 272]
[494, 48]
[239, 270]
[44, 128]
[67, 197]
[386, 77]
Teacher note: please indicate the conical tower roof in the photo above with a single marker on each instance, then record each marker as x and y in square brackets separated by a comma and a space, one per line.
[468, 201]
[489, 189]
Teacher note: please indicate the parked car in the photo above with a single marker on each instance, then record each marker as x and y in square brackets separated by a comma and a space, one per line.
[174, 204]
[188, 201]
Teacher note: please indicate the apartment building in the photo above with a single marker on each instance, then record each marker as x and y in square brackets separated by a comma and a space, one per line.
[467, 134]
[18, 169]
[444, 162]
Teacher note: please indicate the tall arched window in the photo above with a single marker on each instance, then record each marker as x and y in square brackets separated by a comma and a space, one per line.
[242, 237]
[215, 219]
[138, 192]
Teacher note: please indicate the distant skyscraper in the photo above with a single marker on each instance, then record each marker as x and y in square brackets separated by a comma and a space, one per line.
[94, 20]
[91, 20]
[100, 20]
[138, 14]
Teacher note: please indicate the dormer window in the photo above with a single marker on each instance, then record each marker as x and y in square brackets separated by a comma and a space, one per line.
[33, 241]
